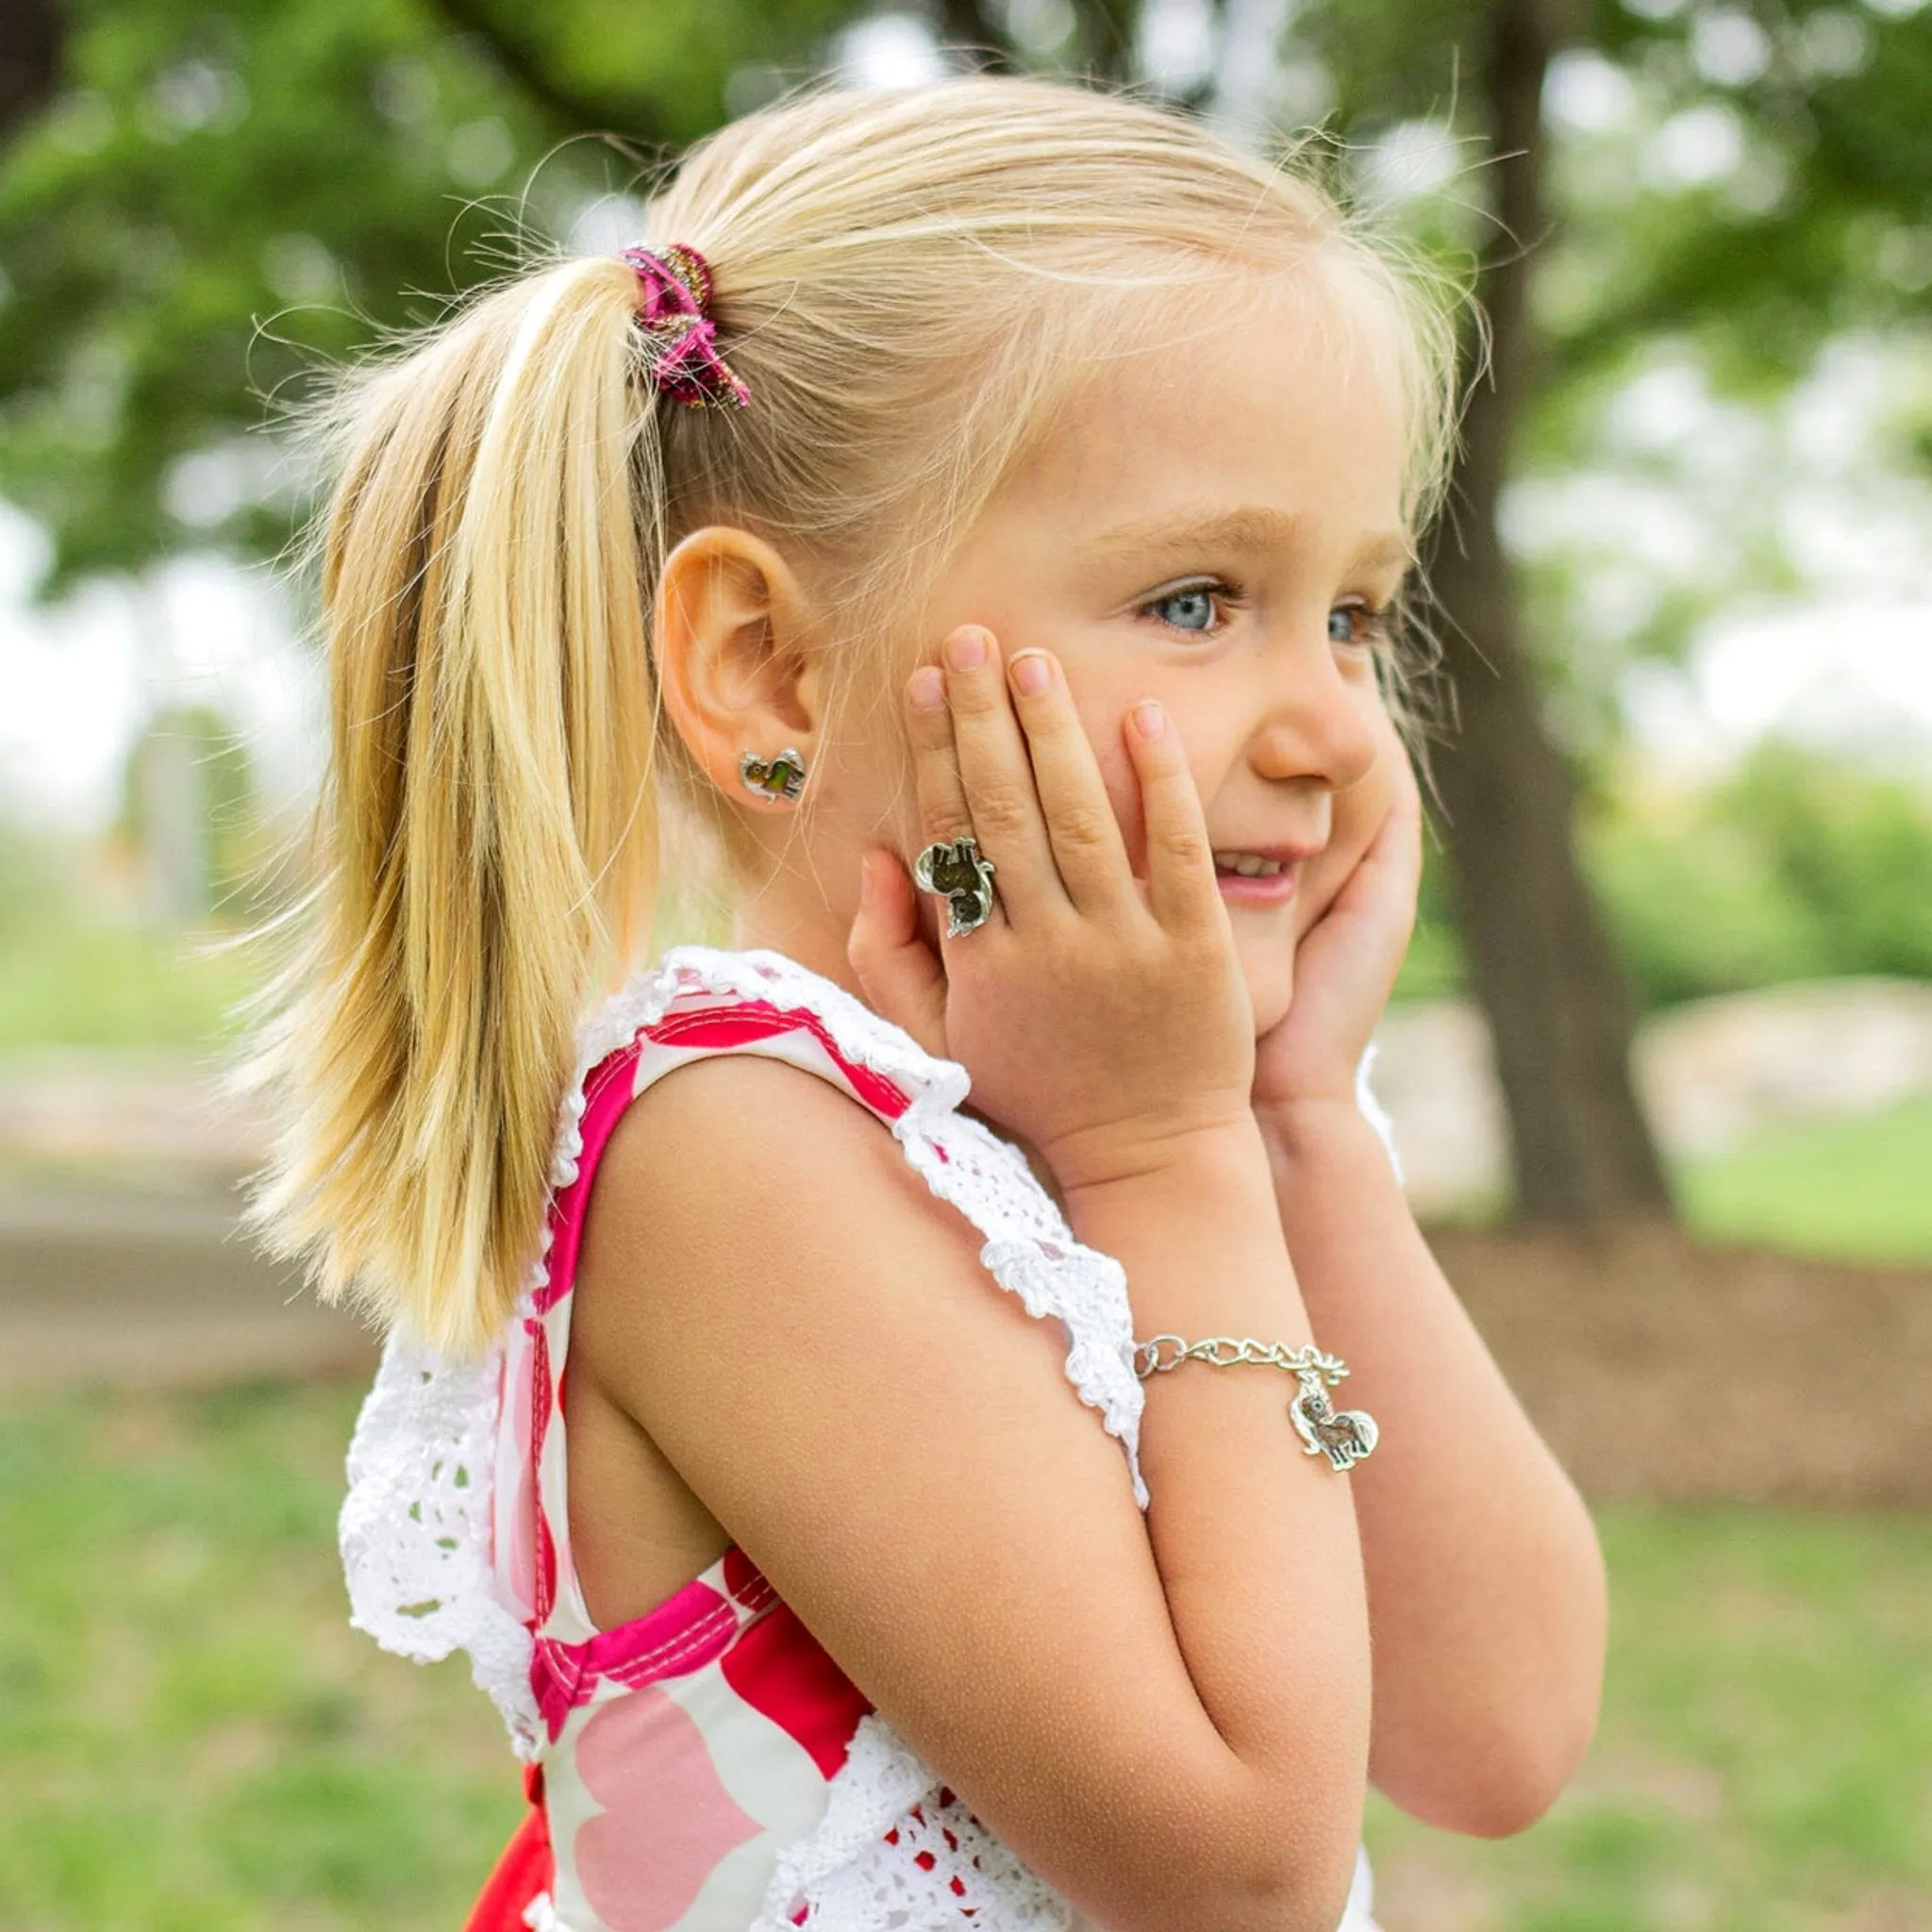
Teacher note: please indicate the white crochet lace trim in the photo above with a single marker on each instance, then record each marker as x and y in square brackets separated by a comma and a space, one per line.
[540, 1915]
[849, 1879]
[414, 1527]
[1088, 1291]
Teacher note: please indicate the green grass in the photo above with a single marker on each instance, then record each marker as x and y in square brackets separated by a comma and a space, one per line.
[71, 982]
[1856, 1190]
[1765, 1762]
[195, 1742]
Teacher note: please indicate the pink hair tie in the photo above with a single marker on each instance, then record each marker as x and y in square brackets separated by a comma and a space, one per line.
[673, 309]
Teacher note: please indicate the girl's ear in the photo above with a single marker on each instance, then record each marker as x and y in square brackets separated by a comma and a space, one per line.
[729, 635]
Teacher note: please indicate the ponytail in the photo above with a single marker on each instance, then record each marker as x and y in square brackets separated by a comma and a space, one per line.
[487, 826]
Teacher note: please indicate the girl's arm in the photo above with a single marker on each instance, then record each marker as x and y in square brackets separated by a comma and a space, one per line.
[1167, 1719]
[1484, 1582]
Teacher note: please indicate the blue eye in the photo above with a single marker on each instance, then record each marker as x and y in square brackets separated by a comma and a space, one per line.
[1194, 609]
[1191, 608]
[1358, 626]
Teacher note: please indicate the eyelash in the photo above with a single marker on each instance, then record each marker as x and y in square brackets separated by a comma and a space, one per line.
[1377, 627]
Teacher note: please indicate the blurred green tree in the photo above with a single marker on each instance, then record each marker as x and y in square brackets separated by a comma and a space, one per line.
[198, 198]
[216, 194]
[1742, 181]
[1854, 850]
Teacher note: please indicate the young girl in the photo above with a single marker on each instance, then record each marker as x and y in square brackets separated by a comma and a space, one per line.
[868, 1398]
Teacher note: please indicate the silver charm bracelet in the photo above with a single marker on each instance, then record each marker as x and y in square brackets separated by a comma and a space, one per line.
[1344, 1436]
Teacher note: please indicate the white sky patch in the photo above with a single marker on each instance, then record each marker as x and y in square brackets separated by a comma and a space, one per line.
[1413, 159]
[79, 682]
[1585, 92]
[889, 50]
[1175, 46]
[1851, 680]
[1693, 149]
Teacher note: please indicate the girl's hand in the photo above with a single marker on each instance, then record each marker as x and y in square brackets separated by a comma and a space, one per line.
[1104, 1021]
[1346, 963]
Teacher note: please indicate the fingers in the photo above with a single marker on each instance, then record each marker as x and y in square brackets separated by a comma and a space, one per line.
[1180, 864]
[943, 812]
[1396, 848]
[1080, 825]
[945, 815]
[1405, 823]
[898, 972]
[995, 776]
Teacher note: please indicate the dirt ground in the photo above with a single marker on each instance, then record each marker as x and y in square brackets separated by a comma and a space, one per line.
[1659, 1369]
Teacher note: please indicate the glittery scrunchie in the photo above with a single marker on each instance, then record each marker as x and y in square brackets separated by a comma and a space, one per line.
[674, 307]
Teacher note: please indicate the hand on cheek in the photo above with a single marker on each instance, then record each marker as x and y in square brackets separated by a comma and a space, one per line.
[1358, 813]
[1105, 729]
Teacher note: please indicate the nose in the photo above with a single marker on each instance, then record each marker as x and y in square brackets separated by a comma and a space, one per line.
[1317, 724]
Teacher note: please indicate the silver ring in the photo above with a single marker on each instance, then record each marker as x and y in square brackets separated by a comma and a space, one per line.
[956, 874]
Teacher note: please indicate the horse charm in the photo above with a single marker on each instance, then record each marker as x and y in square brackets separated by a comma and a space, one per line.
[1345, 1436]
[958, 875]
[782, 776]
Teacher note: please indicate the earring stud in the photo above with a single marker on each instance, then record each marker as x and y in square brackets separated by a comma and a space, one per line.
[782, 776]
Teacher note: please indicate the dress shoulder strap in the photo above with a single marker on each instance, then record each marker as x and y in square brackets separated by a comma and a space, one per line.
[761, 1001]
[446, 1457]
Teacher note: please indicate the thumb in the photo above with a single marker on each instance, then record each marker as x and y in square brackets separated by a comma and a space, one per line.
[901, 977]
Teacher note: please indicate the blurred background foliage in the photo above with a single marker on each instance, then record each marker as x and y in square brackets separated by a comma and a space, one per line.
[1795, 865]
[1689, 219]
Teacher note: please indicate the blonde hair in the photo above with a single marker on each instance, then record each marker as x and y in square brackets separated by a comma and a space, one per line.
[911, 284]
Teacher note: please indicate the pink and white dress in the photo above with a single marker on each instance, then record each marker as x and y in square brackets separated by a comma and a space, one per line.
[705, 1767]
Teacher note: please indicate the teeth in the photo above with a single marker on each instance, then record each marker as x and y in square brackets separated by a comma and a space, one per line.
[1248, 864]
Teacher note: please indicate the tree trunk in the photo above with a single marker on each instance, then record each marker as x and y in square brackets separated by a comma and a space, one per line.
[969, 30]
[1539, 959]
[32, 40]
[1107, 37]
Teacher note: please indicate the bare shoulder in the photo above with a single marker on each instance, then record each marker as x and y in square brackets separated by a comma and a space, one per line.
[757, 1234]
[810, 1337]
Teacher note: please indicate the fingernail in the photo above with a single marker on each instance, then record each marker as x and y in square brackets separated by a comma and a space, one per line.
[1032, 673]
[966, 650]
[1150, 721]
[928, 688]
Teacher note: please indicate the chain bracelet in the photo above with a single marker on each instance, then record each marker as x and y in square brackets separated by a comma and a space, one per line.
[1159, 1353]
[1344, 1436]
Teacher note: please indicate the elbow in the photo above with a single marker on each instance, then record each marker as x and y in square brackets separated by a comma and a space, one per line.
[1508, 1780]
[1315, 1899]
[1305, 1886]
[1280, 1871]
[1493, 1758]
[1545, 1762]
[1311, 1898]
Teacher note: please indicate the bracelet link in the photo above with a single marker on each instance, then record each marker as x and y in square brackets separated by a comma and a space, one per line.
[1345, 1436]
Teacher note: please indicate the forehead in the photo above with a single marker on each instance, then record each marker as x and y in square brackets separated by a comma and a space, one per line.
[1279, 396]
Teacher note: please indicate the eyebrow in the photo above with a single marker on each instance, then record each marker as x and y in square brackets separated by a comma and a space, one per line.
[1250, 530]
